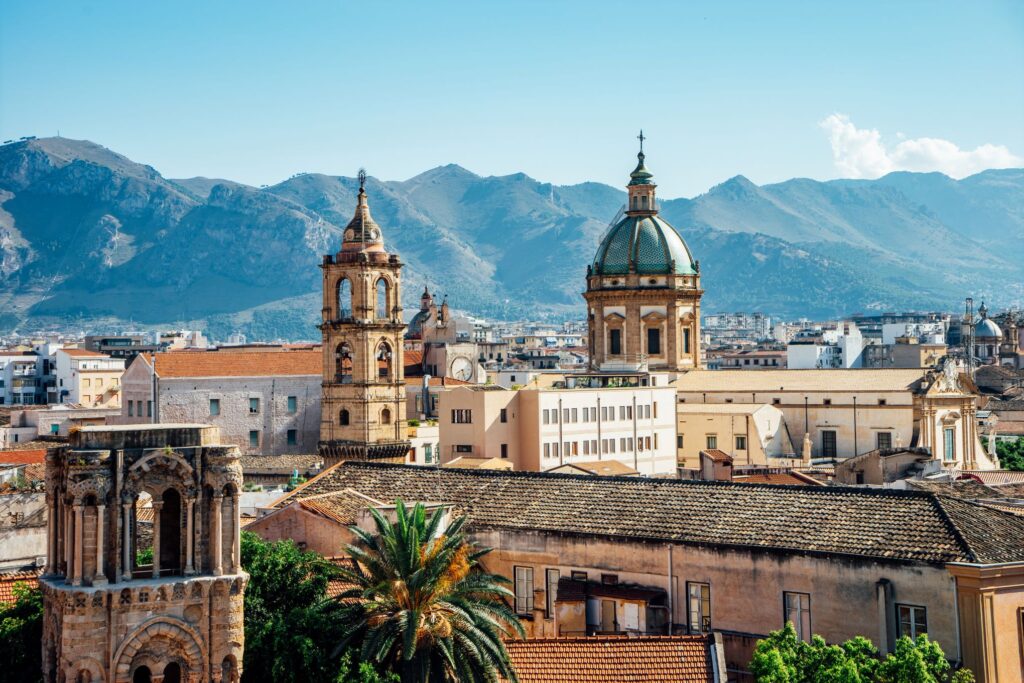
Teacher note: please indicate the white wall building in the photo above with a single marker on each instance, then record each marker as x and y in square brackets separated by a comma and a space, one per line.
[581, 421]
[839, 347]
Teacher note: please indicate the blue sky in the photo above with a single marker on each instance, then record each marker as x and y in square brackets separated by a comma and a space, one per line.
[256, 91]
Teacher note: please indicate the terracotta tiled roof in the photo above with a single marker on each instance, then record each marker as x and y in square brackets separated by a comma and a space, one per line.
[413, 363]
[30, 457]
[766, 381]
[969, 489]
[8, 579]
[995, 477]
[238, 364]
[878, 523]
[717, 455]
[342, 507]
[604, 468]
[613, 659]
[84, 353]
[778, 478]
[281, 463]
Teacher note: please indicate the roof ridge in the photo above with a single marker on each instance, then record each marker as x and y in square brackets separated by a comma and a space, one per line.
[939, 503]
[306, 483]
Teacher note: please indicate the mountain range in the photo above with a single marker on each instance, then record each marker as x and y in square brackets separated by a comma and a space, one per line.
[91, 240]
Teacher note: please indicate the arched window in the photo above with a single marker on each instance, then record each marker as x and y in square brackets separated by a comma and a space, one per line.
[172, 673]
[229, 670]
[170, 533]
[385, 416]
[343, 418]
[343, 363]
[384, 361]
[344, 299]
[643, 201]
[382, 300]
[142, 675]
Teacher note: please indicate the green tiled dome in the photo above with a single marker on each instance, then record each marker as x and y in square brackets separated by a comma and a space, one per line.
[643, 244]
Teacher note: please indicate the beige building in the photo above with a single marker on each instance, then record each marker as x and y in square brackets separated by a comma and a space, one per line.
[750, 433]
[540, 429]
[267, 402]
[738, 559]
[850, 412]
[88, 378]
[363, 386]
[906, 352]
[643, 290]
[109, 618]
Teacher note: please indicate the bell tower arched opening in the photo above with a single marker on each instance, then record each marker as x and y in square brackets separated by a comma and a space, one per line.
[170, 533]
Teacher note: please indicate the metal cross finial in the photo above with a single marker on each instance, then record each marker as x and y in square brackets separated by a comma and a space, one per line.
[641, 138]
[362, 178]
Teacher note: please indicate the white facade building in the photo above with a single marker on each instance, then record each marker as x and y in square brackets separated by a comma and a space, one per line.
[839, 347]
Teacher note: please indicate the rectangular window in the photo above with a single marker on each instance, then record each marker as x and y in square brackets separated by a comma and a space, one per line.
[575, 415]
[622, 444]
[798, 611]
[698, 596]
[546, 416]
[827, 402]
[881, 401]
[686, 341]
[615, 342]
[913, 620]
[828, 443]
[565, 416]
[149, 409]
[577, 575]
[551, 592]
[679, 441]
[462, 416]
[949, 443]
[463, 448]
[254, 438]
[566, 449]
[504, 450]
[428, 453]
[586, 448]
[292, 437]
[654, 341]
[504, 415]
[712, 441]
[741, 442]
[524, 589]
[293, 404]
[593, 414]
[131, 408]
[885, 439]
[547, 450]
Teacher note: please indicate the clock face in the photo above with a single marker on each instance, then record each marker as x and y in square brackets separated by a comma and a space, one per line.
[374, 234]
[462, 369]
[349, 235]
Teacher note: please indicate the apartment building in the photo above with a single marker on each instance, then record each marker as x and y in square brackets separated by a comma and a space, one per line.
[587, 418]
[88, 378]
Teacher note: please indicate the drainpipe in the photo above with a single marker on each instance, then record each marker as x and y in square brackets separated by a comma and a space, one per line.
[671, 594]
[600, 442]
[855, 451]
[956, 621]
[561, 442]
[636, 457]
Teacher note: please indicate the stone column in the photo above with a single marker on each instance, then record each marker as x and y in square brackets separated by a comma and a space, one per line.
[51, 537]
[218, 550]
[79, 546]
[157, 506]
[198, 524]
[99, 578]
[189, 537]
[69, 543]
[236, 545]
[126, 542]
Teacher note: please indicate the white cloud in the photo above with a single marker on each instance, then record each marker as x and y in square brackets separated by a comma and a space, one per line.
[861, 153]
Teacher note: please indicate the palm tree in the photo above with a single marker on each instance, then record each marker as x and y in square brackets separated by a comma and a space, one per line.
[422, 605]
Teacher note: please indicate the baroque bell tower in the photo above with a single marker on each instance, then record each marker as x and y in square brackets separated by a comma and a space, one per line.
[363, 388]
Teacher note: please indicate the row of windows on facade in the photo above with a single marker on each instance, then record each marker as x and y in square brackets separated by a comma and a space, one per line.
[829, 449]
[589, 414]
[911, 620]
[653, 341]
[778, 401]
[136, 410]
[345, 303]
[291, 437]
[254, 406]
[733, 362]
[625, 445]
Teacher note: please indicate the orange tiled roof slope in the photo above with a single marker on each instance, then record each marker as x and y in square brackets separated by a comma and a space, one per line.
[35, 456]
[8, 579]
[778, 478]
[916, 526]
[84, 353]
[239, 364]
[613, 659]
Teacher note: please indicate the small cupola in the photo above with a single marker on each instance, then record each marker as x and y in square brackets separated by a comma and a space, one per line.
[641, 186]
[362, 233]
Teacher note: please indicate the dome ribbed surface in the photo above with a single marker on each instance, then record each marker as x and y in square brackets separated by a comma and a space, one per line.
[646, 245]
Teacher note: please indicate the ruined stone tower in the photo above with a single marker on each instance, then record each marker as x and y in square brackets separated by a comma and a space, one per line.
[363, 400]
[113, 616]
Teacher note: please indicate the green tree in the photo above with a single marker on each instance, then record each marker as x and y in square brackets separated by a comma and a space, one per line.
[783, 658]
[21, 631]
[422, 606]
[1010, 454]
[291, 626]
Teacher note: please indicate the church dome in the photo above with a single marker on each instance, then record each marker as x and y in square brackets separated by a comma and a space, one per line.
[987, 328]
[644, 244]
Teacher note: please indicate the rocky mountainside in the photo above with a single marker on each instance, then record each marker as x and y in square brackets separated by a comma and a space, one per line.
[93, 240]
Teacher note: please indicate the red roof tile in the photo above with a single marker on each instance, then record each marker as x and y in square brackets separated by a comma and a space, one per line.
[7, 581]
[29, 457]
[717, 455]
[84, 353]
[612, 659]
[239, 363]
[781, 478]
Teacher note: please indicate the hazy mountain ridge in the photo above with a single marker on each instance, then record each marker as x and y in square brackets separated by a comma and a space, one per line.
[88, 235]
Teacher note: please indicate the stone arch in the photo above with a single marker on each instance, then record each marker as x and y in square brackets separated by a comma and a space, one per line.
[86, 670]
[343, 363]
[385, 416]
[385, 361]
[156, 643]
[344, 417]
[382, 298]
[156, 472]
[343, 299]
